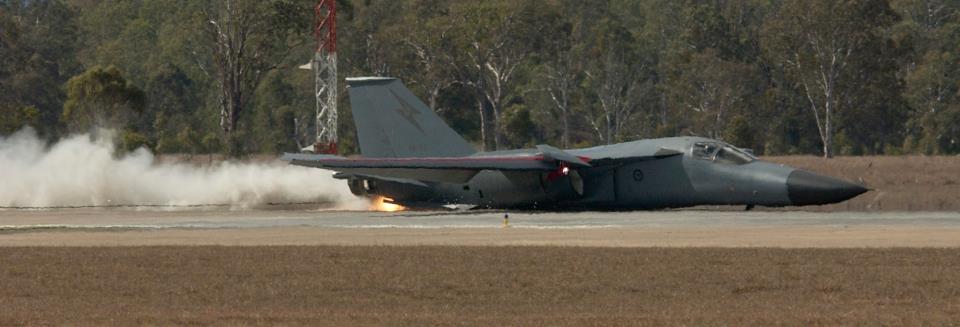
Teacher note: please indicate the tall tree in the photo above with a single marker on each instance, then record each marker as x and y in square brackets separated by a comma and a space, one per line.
[561, 71]
[246, 39]
[426, 31]
[171, 103]
[617, 76]
[710, 89]
[818, 42]
[497, 38]
[932, 90]
[38, 42]
[101, 97]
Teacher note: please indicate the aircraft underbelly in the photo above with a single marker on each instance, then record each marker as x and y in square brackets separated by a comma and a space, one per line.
[517, 189]
[488, 188]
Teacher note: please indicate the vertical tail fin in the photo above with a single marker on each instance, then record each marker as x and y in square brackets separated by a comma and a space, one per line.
[393, 123]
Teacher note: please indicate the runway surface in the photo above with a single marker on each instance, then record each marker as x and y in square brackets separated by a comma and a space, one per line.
[150, 226]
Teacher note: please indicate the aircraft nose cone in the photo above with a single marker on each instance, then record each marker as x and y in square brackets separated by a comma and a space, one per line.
[804, 188]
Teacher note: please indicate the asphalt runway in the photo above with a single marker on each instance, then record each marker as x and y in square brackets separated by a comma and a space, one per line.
[219, 226]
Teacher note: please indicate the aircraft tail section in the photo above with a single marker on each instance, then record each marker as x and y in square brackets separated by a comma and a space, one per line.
[393, 123]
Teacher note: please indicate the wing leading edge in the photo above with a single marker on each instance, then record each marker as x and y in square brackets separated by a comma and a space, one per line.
[435, 169]
[454, 169]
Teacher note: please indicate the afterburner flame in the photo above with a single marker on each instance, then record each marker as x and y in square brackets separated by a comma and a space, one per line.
[383, 204]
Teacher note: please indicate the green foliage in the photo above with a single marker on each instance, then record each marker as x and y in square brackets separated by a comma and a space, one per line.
[713, 89]
[519, 126]
[824, 48]
[38, 42]
[932, 89]
[211, 143]
[748, 71]
[189, 140]
[740, 133]
[101, 97]
[278, 112]
[132, 140]
[15, 118]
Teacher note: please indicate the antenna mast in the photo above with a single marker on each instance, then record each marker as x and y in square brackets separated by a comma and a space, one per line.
[325, 72]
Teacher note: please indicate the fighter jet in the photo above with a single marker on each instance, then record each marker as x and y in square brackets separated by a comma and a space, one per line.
[412, 158]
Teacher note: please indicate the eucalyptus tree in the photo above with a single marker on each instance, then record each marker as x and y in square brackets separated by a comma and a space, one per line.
[617, 76]
[496, 39]
[932, 89]
[38, 45]
[245, 39]
[818, 42]
[560, 71]
[101, 97]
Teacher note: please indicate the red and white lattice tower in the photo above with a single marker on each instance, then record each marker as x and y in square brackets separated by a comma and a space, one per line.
[325, 71]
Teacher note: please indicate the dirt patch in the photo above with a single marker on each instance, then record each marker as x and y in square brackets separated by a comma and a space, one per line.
[902, 183]
[477, 286]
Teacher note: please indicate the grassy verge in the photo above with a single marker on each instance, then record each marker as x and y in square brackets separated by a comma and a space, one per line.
[476, 285]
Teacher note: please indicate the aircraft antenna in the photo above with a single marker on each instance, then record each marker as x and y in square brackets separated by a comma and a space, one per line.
[325, 76]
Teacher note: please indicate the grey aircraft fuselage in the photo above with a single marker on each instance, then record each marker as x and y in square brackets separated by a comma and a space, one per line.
[688, 178]
[411, 156]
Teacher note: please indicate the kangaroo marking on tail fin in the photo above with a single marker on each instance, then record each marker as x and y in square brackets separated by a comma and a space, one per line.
[407, 111]
[393, 123]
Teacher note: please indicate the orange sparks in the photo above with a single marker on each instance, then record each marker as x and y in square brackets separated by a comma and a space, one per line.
[380, 203]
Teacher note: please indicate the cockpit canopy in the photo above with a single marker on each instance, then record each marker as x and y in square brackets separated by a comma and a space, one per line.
[721, 153]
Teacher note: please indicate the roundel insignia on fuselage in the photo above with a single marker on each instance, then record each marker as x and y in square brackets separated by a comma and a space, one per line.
[637, 175]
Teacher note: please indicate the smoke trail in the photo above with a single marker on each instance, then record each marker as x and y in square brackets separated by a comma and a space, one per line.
[79, 171]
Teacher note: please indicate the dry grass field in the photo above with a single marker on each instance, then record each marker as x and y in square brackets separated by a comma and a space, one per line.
[902, 183]
[510, 285]
[526, 286]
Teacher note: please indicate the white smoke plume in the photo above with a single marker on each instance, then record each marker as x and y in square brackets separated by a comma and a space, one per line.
[80, 171]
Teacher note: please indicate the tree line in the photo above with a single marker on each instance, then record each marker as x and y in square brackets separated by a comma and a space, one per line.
[825, 77]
